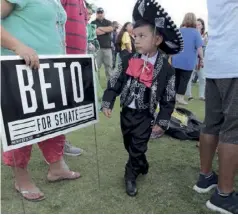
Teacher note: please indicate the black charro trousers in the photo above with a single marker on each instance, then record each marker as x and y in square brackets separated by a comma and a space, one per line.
[136, 127]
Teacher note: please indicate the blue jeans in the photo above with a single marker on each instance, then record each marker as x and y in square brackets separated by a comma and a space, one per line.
[202, 83]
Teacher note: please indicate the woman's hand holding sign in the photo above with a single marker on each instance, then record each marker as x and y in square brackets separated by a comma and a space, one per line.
[10, 42]
[29, 55]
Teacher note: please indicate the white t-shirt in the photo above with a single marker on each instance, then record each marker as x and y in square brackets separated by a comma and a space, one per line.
[151, 60]
[221, 58]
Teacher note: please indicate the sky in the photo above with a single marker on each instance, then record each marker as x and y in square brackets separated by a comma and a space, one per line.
[121, 10]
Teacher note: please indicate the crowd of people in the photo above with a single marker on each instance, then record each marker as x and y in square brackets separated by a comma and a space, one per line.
[147, 63]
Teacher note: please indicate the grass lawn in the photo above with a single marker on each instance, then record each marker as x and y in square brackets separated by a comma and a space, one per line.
[174, 167]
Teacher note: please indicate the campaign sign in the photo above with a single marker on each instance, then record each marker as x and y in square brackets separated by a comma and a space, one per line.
[55, 99]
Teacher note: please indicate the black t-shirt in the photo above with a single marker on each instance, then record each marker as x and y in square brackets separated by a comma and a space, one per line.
[105, 39]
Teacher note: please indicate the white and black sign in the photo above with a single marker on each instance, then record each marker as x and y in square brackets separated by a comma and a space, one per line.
[36, 105]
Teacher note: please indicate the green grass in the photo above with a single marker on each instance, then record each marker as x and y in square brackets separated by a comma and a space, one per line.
[174, 167]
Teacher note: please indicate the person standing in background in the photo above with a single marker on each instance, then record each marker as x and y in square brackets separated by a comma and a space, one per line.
[76, 24]
[104, 29]
[93, 48]
[125, 40]
[199, 70]
[115, 26]
[185, 62]
[221, 108]
[76, 43]
[23, 28]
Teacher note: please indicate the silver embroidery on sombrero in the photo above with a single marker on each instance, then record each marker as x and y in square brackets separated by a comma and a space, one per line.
[141, 8]
[171, 45]
[159, 22]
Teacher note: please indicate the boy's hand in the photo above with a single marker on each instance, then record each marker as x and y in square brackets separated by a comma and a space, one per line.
[107, 112]
[158, 130]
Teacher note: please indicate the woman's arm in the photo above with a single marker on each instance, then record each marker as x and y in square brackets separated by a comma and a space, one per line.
[11, 43]
[126, 40]
[6, 8]
[200, 52]
[200, 56]
[128, 47]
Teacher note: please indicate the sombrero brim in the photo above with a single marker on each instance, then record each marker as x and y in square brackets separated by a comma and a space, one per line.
[152, 12]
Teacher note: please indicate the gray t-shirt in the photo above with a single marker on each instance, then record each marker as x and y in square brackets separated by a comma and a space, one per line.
[221, 60]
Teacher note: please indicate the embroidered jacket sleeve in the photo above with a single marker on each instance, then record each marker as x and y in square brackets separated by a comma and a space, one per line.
[167, 102]
[114, 86]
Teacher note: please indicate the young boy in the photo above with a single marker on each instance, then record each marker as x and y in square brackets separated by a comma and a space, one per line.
[143, 80]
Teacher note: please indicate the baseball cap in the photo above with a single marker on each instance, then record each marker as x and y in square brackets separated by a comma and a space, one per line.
[100, 10]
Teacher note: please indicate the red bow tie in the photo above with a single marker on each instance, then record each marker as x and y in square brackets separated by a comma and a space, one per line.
[138, 69]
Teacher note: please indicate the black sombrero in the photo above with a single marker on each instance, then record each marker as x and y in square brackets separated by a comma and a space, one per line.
[152, 12]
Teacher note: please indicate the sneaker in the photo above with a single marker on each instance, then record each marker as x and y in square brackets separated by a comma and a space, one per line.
[190, 98]
[71, 150]
[204, 185]
[223, 204]
[180, 99]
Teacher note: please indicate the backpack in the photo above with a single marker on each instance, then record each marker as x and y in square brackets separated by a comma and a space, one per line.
[184, 125]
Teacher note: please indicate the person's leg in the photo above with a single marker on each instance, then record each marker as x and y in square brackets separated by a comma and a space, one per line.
[126, 127]
[195, 78]
[207, 148]
[113, 59]
[202, 84]
[18, 160]
[224, 199]
[140, 137]
[139, 131]
[209, 137]
[177, 79]
[184, 79]
[189, 87]
[52, 150]
[228, 144]
[228, 166]
[99, 60]
[107, 60]
[71, 150]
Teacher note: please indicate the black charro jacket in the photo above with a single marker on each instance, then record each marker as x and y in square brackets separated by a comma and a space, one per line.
[161, 92]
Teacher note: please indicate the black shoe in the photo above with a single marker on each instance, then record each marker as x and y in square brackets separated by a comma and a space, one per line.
[190, 98]
[205, 184]
[131, 187]
[223, 204]
[145, 170]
